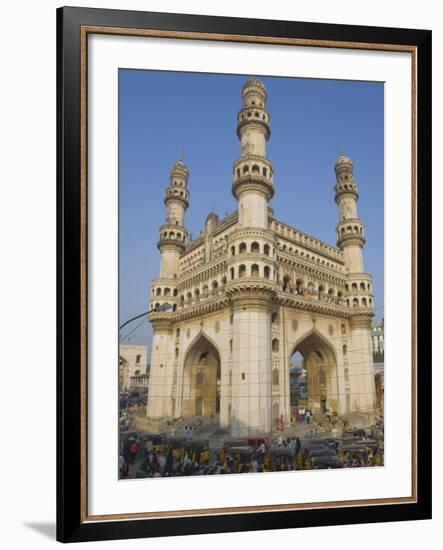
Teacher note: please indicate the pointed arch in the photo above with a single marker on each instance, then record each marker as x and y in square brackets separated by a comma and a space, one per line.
[320, 364]
[204, 336]
[201, 377]
[315, 334]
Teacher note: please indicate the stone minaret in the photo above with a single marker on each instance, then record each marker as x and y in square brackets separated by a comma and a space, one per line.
[251, 269]
[360, 298]
[350, 229]
[173, 236]
[173, 233]
[253, 173]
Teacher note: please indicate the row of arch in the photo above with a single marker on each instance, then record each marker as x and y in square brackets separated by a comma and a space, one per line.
[299, 288]
[255, 169]
[302, 238]
[254, 270]
[349, 229]
[166, 291]
[254, 248]
[355, 286]
[205, 292]
[177, 193]
[310, 288]
[307, 256]
[248, 114]
[360, 302]
[173, 235]
[345, 187]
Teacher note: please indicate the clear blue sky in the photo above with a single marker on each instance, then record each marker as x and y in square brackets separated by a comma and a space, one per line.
[163, 113]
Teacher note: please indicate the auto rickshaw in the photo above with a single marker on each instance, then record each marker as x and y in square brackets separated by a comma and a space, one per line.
[354, 452]
[158, 441]
[228, 444]
[279, 456]
[316, 452]
[200, 450]
[325, 462]
[242, 456]
[178, 445]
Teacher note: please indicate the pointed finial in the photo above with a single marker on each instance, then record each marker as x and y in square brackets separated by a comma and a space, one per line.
[342, 150]
[181, 156]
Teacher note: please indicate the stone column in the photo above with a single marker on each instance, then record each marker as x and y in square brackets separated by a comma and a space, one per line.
[162, 367]
[252, 367]
[361, 368]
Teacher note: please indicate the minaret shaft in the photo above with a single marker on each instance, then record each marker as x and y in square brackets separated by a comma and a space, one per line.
[173, 233]
[253, 173]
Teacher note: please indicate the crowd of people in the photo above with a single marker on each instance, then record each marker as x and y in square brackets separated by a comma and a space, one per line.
[143, 457]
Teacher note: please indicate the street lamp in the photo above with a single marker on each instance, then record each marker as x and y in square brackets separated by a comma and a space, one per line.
[159, 308]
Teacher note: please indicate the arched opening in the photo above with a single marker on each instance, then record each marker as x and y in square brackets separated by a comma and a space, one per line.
[242, 270]
[201, 380]
[275, 345]
[254, 270]
[313, 375]
[232, 250]
[267, 272]
[266, 250]
[298, 286]
[255, 247]
[242, 248]
[214, 288]
[232, 273]
[286, 281]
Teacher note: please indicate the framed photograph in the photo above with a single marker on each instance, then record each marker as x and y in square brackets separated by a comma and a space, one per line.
[244, 274]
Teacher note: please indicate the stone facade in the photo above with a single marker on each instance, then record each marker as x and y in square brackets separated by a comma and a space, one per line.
[133, 361]
[250, 291]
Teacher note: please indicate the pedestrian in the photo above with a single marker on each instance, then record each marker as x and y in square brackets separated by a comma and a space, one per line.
[308, 416]
[302, 414]
[261, 452]
[133, 450]
[281, 423]
[297, 414]
[297, 445]
[169, 461]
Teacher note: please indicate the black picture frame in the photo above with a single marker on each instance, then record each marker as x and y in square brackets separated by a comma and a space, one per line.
[71, 524]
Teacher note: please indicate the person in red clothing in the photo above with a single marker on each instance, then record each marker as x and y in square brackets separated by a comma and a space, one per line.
[133, 450]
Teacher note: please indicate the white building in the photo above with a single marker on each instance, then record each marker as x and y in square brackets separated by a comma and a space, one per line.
[133, 361]
[250, 292]
[378, 338]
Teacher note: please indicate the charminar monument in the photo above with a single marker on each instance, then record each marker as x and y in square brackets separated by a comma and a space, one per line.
[252, 290]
